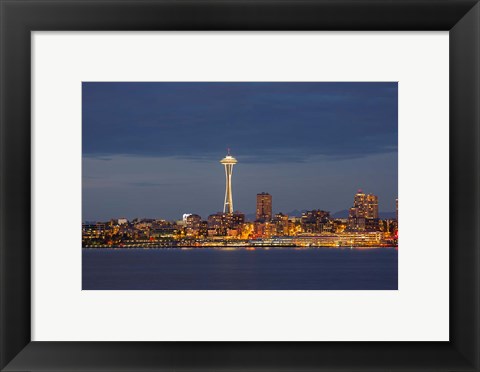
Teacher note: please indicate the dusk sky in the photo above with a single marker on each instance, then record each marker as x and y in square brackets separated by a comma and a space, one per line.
[153, 149]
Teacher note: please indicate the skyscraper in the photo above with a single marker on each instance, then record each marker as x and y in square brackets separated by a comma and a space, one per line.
[264, 207]
[228, 161]
[364, 213]
[364, 206]
[371, 206]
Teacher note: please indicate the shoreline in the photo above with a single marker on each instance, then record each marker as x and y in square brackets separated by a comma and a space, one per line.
[232, 247]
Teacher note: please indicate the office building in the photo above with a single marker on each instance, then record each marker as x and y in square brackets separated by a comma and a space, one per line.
[264, 207]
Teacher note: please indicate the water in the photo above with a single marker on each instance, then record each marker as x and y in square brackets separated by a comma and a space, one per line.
[227, 269]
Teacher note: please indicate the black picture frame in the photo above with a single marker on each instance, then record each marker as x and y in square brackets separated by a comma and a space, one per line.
[19, 17]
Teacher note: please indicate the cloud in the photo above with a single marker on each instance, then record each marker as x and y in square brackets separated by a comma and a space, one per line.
[262, 122]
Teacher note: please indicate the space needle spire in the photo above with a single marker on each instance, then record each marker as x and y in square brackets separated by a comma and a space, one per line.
[228, 161]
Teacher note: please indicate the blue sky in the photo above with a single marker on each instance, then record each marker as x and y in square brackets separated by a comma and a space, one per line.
[152, 149]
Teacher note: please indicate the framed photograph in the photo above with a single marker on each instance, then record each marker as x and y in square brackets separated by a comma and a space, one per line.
[239, 185]
[156, 146]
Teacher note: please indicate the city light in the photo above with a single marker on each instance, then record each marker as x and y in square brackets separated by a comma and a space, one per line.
[314, 228]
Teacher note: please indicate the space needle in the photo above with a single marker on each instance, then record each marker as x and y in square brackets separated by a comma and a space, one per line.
[228, 161]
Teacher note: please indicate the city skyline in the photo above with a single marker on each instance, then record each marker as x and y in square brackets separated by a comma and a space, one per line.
[317, 227]
[228, 161]
[133, 178]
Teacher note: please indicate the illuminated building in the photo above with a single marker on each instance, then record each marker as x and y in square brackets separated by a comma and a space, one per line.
[281, 224]
[339, 226]
[170, 232]
[237, 219]
[93, 230]
[366, 239]
[359, 206]
[264, 207]
[192, 224]
[247, 229]
[144, 224]
[372, 224]
[216, 225]
[314, 221]
[193, 221]
[371, 206]
[228, 161]
[203, 230]
[364, 206]
[328, 227]
[219, 223]
[232, 232]
[363, 216]
[356, 224]
[264, 229]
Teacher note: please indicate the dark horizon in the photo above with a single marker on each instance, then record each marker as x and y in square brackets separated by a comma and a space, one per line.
[152, 150]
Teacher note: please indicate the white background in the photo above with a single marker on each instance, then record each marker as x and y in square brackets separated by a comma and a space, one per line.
[417, 311]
